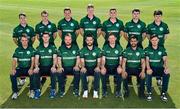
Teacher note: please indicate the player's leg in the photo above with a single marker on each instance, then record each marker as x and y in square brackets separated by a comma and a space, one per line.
[76, 82]
[141, 87]
[104, 85]
[37, 91]
[53, 83]
[84, 83]
[96, 84]
[61, 82]
[118, 84]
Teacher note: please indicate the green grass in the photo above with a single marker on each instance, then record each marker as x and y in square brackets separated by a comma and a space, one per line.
[9, 10]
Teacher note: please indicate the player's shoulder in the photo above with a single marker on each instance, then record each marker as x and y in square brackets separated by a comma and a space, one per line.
[83, 19]
[140, 49]
[164, 24]
[120, 21]
[17, 27]
[61, 21]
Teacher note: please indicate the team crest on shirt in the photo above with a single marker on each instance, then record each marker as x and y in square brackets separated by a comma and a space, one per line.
[116, 51]
[49, 26]
[28, 52]
[72, 24]
[94, 22]
[161, 29]
[117, 25]
[137, 53]
[27, 30]
[94, 54]
[74, 52]
[50, 51]
[139, 26]
[159, 53]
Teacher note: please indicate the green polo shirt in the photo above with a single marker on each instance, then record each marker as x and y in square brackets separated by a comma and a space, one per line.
[50, 28]
[136, 29]
[90, 56]
[133, 57]
[24, 56]
[112, 55]
[115, 28]
[19, 30]
[155, 56]
[68, 27]
[68, 55]
[46, 54]
[90, 26]
[159, 30]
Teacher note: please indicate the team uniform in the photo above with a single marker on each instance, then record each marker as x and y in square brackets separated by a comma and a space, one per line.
[135, 29]
[68, 57]
[20, 30]
[156, 64]
[90, 57]
[50, 28]
[24, 59]
[45, 63]
[90, 27]
[133, 66]
[115, 28]
[160, 30]
[112, 57]
[68, 27]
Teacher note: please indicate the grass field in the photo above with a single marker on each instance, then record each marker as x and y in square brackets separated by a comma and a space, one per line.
[9, 10]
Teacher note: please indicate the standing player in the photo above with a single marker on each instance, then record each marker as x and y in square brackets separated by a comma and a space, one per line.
[90, 24]
[45, 65]
[113, 25]
[90, 65]
[156, 61]
[134, 64]
[68, 25]
[23, 29]
[159, 28]
[45, 26]
[68, 64]
[22, 65]
[111, 64]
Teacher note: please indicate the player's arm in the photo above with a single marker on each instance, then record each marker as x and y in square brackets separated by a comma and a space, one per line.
[83, 69]
[14, 63]
[166, 70]
[60, 33]
[148, 36]
[165, 36]
[82, 31]
[125, 36]
[77, 32]
[149, 70]
[76, 67]
[32, 66]
[15, 41]
[59, 65]
[124, 73]
[103, 33]
[142, 74]
[33, 39]
[98, 32]
[36, 70]
[144, 36]
[54, 35]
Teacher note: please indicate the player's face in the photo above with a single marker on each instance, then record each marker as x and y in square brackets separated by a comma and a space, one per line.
[45, 38]
[44, 17]
[135, 15]
[67, 14]
[113, 14]
[24, 41]
[158, 18]
[133, 42]
[90, 11]
[67, 40]
[154, 41]
[89, 41]
[112, 39]
[22, 19]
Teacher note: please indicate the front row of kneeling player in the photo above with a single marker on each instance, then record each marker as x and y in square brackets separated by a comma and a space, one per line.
[46, 60]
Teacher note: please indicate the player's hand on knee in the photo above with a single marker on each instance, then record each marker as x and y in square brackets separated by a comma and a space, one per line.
[166, 70]
[142, 75]
[124, 74]
[119, 70]
[13, 72]
[149, 71]
[30, 71]
[60, 70]
[76, 68]
[83, 70]
[97, 69]
[103, 70]
[36, 70]
[53, 69]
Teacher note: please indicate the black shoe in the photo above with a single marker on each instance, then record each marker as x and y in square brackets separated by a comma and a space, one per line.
[76, 93]
[149, 96]
[164, 97]
[141, 95]
[104, 94]
[126, 94]
[118, 94]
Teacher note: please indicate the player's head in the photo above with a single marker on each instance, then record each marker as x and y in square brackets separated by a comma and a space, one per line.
[158, 15]
[89, 39]
[22, 18]
[113, 12]
[44, 15]
[154, 40]
[135, 13]
[112, 38]
[24, 40]
[133, 41]
[68, 39]
[46, 37]
[67, 13]
[90, 9]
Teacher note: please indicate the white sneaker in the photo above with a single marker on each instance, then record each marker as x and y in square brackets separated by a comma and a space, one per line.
[31, 94]
[159, 82]
[95, 94]
[14, 96]
[85, 94]
[22, 82]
